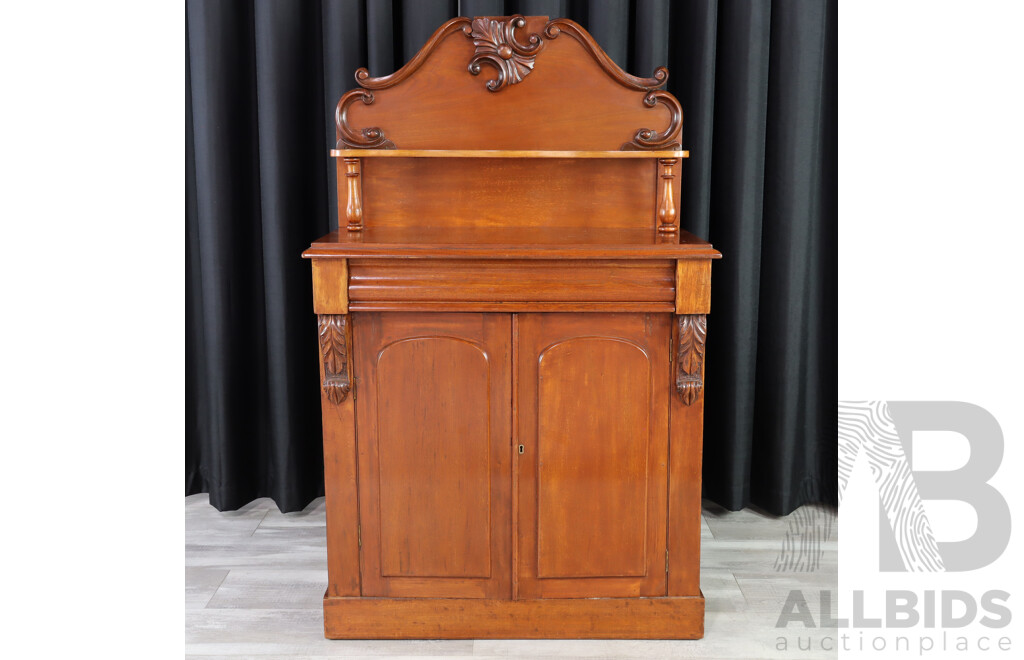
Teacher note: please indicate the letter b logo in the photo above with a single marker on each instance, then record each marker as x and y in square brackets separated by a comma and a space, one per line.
[883, 431]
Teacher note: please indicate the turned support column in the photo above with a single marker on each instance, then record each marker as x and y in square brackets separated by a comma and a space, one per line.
[354, 207]
[666, 198]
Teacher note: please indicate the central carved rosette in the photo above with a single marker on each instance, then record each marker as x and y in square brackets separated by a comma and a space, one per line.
[496, 45]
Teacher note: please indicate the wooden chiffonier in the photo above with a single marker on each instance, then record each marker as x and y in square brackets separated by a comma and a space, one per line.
[512, 333]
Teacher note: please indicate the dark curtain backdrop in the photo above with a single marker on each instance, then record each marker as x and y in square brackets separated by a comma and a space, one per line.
[757, 81]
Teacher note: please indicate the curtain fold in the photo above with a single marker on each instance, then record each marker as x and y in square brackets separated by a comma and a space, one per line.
[757, 82]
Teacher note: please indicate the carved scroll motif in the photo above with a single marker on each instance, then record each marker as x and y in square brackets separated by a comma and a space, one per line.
[690, 338]
[457, 24]
[670, 138]
[564, 25]
[496, 45]
[366, 138]
[667, 205]
[337, 382]
[373, 137]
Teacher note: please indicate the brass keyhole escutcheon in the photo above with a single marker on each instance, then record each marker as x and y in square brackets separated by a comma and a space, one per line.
[521, 449]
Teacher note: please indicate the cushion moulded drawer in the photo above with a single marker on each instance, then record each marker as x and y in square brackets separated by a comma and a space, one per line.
[434, 283]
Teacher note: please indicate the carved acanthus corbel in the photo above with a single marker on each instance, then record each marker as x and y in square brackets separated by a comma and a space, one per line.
[690, 338]
[334, 351]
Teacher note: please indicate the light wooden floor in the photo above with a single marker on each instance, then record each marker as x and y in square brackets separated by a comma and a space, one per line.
[254, 580]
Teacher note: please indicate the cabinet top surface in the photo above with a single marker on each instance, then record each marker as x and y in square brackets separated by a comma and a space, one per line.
[511, 243]
[502, 153]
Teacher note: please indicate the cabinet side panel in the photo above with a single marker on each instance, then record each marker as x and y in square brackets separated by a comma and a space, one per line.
[339, 436]
[685, 452]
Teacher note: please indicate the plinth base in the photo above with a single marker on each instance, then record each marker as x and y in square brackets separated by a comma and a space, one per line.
[475, 618]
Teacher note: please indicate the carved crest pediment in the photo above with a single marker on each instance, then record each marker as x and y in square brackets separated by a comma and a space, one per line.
[512, 50]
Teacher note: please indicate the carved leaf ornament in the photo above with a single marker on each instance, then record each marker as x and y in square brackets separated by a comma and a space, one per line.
[496, 44]
[692, 335]
[334, 351]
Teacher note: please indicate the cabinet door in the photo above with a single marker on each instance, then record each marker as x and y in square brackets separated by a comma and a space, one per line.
[433, 401]
[592, 401]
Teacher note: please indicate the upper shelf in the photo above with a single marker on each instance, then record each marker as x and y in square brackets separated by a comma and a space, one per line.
[510, 243]
[500, 153]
